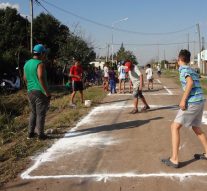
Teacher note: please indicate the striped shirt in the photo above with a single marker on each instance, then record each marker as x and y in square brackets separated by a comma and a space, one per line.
[196, 95]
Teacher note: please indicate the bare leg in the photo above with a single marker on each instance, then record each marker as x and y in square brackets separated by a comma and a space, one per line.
[72, 97]
[119, 86]
[144, 101]
[123, 86]
[202, 137]
[136, 103]
[175, 133]
[81, 95]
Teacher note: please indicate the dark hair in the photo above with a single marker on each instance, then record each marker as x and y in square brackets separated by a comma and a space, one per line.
[184, 55]
[148, 65]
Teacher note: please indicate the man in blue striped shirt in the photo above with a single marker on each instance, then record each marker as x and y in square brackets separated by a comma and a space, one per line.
[191, 109]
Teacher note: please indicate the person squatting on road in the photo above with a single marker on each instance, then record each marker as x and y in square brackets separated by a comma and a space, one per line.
[191, 110]
[35, 76]
[76, 73]
[137, 80]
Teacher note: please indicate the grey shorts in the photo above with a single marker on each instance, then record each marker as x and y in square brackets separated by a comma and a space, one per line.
[192, 116]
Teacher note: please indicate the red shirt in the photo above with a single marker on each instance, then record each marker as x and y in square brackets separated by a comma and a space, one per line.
[76, 70]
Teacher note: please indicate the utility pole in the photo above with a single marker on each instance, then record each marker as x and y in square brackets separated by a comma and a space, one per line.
[188, 41]
[31, 31]
[199, 40]
[107, 52]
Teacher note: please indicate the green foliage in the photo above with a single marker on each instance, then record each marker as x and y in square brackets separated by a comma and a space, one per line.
[14, 34]
[61, 43]
[123, 54]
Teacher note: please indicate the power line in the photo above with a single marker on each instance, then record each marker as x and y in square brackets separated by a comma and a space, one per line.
[117, 29]
[39, 4]
[154, 44]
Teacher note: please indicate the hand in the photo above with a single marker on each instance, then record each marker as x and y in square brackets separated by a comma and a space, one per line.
[182, 105]
[48, 95]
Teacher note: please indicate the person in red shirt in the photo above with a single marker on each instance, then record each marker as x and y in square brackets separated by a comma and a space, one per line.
[76, 73]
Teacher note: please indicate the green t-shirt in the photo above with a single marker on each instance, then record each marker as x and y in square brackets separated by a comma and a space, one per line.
[30, 71]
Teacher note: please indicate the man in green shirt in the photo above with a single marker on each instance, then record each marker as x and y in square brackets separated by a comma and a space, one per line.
[39, 97]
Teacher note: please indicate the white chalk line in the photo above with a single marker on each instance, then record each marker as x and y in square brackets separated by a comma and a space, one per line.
[108, 176]
[46, 156]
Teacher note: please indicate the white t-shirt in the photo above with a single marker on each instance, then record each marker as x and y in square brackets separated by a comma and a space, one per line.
[149, 73]
[134, 76]
[106, 72]
[122, 72]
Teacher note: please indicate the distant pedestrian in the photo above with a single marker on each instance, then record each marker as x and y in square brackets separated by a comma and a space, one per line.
[191, 110]
[106, 77]
[39, 96]
[137, 80]
[149, 74]
[122, 77]
[76, 73]
[159, 70]
[112, 80]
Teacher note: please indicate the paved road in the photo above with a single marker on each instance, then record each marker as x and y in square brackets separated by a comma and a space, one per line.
[112, 150]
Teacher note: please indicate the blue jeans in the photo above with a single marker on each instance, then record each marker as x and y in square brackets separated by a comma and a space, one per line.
[112, 86]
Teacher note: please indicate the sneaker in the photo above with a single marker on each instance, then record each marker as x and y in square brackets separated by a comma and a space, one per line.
[72, 105]
[43, 137]
[31, 135]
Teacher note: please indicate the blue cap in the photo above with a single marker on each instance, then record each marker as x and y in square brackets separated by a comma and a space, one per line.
[39, 48]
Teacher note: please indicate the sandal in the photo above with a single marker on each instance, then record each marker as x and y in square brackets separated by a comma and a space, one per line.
[200, 156]
[145, 108]
[134, 111]
[169, 163]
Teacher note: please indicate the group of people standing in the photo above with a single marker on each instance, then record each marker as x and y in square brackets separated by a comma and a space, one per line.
[191, 105]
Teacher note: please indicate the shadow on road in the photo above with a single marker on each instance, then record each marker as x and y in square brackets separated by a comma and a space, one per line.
[112, 127]
[173, 107]
[185, 163]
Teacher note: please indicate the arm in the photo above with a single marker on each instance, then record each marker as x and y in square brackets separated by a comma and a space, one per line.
[141, 82]
[41, 77]
[72, 75]
[187, 91]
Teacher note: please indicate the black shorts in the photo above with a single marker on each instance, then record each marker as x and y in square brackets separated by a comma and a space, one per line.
[77, 86]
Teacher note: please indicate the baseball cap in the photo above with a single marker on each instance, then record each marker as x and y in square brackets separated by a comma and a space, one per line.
[128, 65]
[39, 48]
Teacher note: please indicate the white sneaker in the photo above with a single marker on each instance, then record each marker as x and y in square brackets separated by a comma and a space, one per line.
[72, 105]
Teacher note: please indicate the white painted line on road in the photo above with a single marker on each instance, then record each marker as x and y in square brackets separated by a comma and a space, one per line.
[169, 91]
[159, 81]
[108, 177]
[76, 143]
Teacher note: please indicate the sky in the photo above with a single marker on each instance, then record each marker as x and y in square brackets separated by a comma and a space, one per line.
[155, 29]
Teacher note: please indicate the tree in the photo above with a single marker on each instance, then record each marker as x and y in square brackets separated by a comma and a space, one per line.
[14, 33]
[123, 54]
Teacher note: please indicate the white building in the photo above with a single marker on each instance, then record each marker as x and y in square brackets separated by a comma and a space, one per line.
[98, 64]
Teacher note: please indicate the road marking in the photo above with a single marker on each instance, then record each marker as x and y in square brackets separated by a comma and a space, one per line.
[159, 81]
[107, 177]
[64, 145]
[169, 91]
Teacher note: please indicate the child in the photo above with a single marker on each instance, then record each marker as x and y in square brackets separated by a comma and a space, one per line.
[112, 80]
[191, 110]
[149, 74]
[122, 77]
[137, 80]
